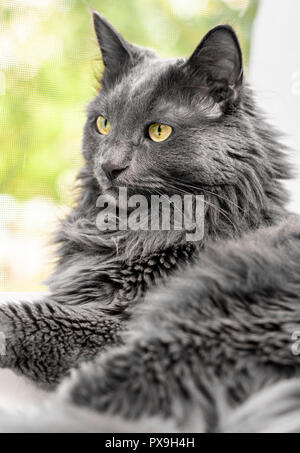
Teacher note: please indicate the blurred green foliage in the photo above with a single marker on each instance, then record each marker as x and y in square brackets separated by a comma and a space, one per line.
[48, 57]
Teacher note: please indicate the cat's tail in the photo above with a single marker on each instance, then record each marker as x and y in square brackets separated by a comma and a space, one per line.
[275, 409]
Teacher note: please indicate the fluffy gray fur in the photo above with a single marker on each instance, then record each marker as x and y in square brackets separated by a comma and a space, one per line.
[154, 327]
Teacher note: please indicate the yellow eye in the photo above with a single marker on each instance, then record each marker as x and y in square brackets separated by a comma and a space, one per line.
[103, 125]
[159, 132]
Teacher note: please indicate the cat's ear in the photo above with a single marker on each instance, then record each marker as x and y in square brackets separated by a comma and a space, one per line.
[116, 51]
[217, 64]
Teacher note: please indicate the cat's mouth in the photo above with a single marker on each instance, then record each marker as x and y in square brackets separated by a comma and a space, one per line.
[146, 186]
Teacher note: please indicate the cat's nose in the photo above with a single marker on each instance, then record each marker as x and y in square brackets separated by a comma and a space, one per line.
[113, 169]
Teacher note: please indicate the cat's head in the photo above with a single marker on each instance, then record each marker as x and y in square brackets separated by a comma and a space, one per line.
[178, 125]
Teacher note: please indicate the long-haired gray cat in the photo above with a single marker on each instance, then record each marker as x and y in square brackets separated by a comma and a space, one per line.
[161, 332]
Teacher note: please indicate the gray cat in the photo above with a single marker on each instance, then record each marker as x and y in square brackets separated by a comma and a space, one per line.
[197, 334]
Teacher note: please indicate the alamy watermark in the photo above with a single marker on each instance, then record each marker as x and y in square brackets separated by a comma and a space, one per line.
[296, 83]
[2, 84]
[2, 344]
[153, 213]
[296, 345]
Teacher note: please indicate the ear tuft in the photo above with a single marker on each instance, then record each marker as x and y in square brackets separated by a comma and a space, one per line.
[217, 64]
